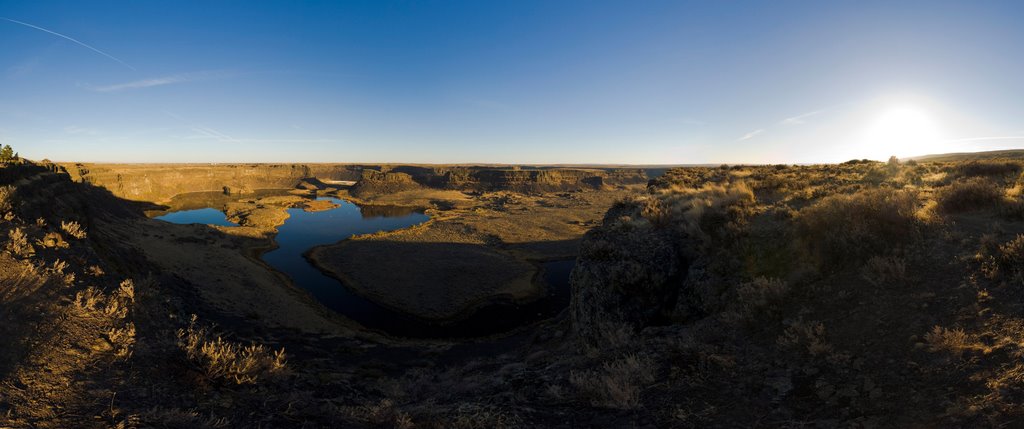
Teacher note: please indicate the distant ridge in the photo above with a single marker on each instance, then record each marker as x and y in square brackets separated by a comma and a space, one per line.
[973, 156]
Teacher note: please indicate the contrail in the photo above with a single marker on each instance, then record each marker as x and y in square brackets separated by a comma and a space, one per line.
[69, 38]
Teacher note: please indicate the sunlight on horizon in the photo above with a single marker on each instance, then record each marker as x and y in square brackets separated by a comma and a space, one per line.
[902, 130]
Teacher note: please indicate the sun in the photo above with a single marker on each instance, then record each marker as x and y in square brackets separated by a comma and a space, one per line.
[901, 131]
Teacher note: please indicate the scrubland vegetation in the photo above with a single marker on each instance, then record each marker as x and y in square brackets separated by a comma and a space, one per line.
[869, 294]
[862, 294]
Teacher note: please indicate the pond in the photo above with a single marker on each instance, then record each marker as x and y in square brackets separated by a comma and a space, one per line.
[304, 230]
[208, 216]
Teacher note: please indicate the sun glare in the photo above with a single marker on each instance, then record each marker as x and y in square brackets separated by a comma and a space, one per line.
[902, 131]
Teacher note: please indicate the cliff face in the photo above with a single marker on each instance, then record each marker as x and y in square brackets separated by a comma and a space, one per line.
[160, 182]
[156, 182]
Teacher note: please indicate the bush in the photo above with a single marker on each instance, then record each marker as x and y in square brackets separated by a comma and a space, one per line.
[617, 384]
[972, 194]
[845, 227]
[224, 360]
[1004, 261]
[18, 243]
[988, 168]
[761, 299]
[885, 271]
[949, 340]
[699, 211]
[6, 198]
[73, 229]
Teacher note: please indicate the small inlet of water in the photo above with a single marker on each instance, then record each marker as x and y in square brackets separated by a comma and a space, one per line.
[304, 230]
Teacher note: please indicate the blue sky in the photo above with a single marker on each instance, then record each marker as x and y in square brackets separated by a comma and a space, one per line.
[509, 82]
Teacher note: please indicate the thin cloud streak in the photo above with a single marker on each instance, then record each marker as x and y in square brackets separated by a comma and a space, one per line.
[204, 132]
[978, 139]
[799, 119]
[160, 81]
[71, 39]
[750, 135]
[214, 134]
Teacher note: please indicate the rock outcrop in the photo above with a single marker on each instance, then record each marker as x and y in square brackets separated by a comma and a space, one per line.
[374, 182]
[627, 277]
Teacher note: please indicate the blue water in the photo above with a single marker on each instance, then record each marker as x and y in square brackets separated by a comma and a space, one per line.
[304, 230]
[207, 216]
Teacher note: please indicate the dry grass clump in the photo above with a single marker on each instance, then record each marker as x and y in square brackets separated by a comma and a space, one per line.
[73, 229]
[225, 360]
[868, 222]
[885, 271]
[18, 280]
[617, 384]
[954, 341]
[972, 194]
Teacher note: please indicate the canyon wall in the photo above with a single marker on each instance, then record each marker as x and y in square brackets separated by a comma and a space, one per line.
[160, 182]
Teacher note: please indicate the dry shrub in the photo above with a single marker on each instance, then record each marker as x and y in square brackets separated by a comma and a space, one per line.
[617, 384]
[18, 243]
[384, 414]
[123, 339]
[92, 302]
[972, 194]
[697, 211]
[949, 340]
[885, 271]
[1013, 203]
[89, 300]
[73, 229]
[474, 416]
[806, 337]
[988, 168]
[761, 299]
[1005, 260]
[845, 227]
[225, 360]
[6, 198]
